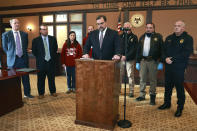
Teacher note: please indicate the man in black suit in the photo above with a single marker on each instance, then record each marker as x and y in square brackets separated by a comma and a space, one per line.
[105, 42]
[44, 48]
[15, 43]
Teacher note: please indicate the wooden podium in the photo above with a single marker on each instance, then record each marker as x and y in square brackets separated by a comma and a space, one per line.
[97, 93]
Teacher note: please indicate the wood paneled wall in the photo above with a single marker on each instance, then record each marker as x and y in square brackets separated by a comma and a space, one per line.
[163, 19]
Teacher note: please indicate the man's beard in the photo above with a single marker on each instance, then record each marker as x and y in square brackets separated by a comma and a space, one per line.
[101, 29]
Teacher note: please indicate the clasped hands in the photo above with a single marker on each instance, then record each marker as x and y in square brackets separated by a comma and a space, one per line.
[168, 60]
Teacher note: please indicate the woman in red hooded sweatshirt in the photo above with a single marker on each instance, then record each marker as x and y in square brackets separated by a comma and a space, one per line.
[71, 50]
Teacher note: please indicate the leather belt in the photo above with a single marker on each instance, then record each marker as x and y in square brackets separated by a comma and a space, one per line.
[147, 58]
[19, 57]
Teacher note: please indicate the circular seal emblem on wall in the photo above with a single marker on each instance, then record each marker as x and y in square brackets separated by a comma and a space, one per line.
[137, 20]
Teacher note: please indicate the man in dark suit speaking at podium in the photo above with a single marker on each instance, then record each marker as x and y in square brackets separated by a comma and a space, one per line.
[105, 42]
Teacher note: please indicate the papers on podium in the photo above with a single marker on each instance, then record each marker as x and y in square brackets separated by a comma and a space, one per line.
[86, 59]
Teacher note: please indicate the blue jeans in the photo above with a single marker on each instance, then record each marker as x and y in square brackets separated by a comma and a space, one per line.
[70, 77]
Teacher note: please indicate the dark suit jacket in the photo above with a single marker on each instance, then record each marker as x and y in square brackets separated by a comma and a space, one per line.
[9, 47]
[110, 46]
[39, 51]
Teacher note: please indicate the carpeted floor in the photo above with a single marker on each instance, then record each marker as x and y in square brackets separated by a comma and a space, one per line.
[58, 114]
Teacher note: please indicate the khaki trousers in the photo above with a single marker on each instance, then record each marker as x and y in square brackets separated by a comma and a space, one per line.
[130, 73]
[148, 68]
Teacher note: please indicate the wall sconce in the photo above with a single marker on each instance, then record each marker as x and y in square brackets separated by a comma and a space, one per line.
[29, 28]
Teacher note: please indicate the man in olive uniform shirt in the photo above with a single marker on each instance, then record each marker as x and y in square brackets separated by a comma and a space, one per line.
[177, 49]
[147, 61]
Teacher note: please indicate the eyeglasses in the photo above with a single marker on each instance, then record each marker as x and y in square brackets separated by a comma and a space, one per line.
[100, 23]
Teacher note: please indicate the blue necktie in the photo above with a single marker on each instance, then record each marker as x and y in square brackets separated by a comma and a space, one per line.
[47, 56]
[19, 51]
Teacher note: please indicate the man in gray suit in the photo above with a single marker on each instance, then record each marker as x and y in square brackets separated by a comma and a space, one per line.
[15, 45]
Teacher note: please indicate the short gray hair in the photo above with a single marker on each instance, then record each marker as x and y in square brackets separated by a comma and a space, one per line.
[11, 20]
[182, 21]
[128, 24]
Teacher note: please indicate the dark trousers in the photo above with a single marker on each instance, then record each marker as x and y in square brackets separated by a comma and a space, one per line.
[174, 77]
[21, 63]
[70, 77]
[49, 71]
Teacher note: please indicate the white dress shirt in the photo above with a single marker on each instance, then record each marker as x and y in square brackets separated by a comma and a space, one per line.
[146, 48]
